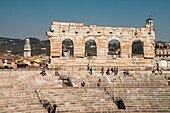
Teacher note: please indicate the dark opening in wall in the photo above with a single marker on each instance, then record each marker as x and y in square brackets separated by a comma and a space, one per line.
[76, 32]
[110, 33]
[120, 104]
[114, 47]
[168, 80]
[137, 48]
[169, 83]
[67, 48]
[63, 31]
[90, 48]
[99, 32]
[88, 31]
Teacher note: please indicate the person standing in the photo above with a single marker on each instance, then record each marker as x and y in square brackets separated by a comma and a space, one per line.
[102, 70]
[116, 70]
[108, 71]
[112, 70]
[88, 67]
[90, 71]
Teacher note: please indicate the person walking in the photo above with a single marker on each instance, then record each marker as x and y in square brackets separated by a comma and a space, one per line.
[90, 71]
[102, 70]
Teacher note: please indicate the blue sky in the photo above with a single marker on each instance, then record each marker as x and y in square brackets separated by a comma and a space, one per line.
[32, 18]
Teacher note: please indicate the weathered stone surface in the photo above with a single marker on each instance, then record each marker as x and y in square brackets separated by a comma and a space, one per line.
[80, 34]
[140, 91]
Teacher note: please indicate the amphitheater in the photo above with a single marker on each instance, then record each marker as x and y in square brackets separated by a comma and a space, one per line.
[140, 91]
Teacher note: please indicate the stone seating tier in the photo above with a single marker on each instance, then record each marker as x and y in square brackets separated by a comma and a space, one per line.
[17, 93]
[147, 99]
[76, 63]
[140, 93]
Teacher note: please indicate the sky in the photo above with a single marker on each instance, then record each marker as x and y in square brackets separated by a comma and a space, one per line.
[32, 18]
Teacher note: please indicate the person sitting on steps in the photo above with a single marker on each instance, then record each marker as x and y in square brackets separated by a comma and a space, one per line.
[99, 82]
[83, 83]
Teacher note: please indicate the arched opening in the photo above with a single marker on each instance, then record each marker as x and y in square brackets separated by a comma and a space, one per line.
[114, 48]
[67, 48]
[137, 47]
[90, 48]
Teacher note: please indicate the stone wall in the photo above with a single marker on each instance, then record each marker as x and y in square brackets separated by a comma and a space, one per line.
[80, 34]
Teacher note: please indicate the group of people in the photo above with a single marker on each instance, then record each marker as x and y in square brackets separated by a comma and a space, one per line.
[113, 71]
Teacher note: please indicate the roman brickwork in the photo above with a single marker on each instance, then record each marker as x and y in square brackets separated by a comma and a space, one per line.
[108, 46]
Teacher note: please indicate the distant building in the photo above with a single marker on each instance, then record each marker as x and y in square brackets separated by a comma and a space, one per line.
[8, 61]
[27, 48]
[163, 50]
[162, 54]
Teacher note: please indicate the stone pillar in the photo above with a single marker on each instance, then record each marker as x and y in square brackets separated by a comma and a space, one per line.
[79, 47]
[55, 47]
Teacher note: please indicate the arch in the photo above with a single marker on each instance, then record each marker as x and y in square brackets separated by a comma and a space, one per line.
[137, 47]
[114, 47]
[91, 38]
[90, 48]
[67, 47]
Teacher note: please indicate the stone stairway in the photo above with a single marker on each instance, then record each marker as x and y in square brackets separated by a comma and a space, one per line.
[144, 80]
[79, 99]
[145, 99]
[96, 99]
[142, 93]
[17, 93]
[139, 92]
[66, 99]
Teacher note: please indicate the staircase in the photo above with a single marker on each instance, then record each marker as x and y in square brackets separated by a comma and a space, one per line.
[139, 91]
[143, 93]
[17, 93]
